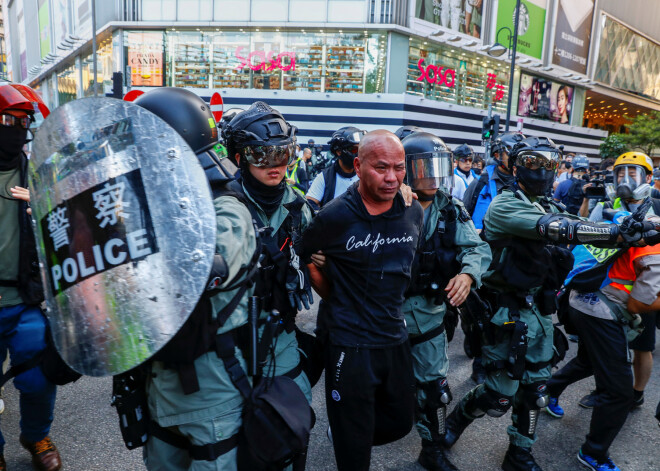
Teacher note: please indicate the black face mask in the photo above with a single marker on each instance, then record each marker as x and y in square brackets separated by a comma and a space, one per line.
[347, 159]
[536, 182]
[268, 197]
[12, 140]
[477, 170]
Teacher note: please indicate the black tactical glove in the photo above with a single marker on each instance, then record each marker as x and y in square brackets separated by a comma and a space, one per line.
[298, 286]
[633, 227]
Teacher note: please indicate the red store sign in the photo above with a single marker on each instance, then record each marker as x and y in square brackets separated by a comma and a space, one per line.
[266, 61]
[436, 74]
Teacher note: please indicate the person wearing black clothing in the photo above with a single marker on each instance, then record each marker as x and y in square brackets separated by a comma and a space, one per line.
[369, 238]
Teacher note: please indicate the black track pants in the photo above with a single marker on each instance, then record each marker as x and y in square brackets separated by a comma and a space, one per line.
[370, 396]
[602, 352]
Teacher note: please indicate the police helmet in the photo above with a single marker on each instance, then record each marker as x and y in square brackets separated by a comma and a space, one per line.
[463, 151]
[345, 138]
[405, 131]
[506, 141]
[536, 160]
[429, 162]
[186, 112]
[580, 163]
[228, 115]
[261, 136]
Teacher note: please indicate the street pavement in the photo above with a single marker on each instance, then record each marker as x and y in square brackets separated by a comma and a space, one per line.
[87, 434]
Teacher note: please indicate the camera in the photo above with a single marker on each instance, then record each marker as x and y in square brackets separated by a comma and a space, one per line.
[600, 182]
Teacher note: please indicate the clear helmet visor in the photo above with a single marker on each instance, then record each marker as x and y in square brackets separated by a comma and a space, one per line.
[535, 160]
[430, 171]
[630, 175]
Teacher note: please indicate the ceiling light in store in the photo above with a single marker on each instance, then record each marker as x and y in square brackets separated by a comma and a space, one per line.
[609, 106]
[319, 30]
[602, 101]
[340, 31]
[198, 29]
[588, 98]
[616, 111]
[425, 43]
[625, 109]
[591, 104]
[622, 104]
[496, 50]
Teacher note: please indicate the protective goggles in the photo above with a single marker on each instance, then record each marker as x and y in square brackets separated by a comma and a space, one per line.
[536, 160]
[631, 175]
[465, 159]
[430, 170]
[9, 121]
[264, 156]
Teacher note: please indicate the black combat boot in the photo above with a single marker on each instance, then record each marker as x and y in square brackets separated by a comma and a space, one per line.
[432, 457]
[478, 371]
[518, 458]
[456, 425]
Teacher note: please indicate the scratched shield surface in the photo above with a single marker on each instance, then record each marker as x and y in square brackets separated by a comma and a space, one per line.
[125, 229]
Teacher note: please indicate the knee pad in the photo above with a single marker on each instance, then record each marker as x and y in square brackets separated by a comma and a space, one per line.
[534, 395]
[492, 403]
[437, 392]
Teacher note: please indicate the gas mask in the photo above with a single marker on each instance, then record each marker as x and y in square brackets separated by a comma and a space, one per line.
[536, 170]
[630, 182]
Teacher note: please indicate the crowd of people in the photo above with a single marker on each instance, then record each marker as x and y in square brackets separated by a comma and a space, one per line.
[402, 239]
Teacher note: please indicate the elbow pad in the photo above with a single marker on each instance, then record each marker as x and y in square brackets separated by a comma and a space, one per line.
[219, 273]
[558, 228]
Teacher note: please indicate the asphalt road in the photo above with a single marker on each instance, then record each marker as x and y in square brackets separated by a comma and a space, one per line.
[87, 433]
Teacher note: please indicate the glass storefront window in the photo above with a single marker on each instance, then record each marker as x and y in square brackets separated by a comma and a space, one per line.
[144, 58]
[298, 61]
[103, 70]
[447, 74]
[67, 85]
[231, 52]
[306, 74]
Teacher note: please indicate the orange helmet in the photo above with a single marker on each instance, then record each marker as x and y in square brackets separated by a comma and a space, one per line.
[14, 96]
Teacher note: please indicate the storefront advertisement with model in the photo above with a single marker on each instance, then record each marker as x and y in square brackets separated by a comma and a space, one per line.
[531, 24]
[544, 99]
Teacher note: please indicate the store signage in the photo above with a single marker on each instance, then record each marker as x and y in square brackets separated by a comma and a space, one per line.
[145, 58]
[265, 61]
[531, 24]
[491, 83]
[436, 74]
[572, 34]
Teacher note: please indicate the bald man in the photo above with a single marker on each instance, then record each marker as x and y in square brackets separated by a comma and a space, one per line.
[369, 237]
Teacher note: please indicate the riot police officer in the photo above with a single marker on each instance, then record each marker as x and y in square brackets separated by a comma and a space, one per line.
[451, 259]
[264, 142]
[405, 131]
[522, 228]
[570, 192]
[336, 179]
[195, 407]
[477, 198]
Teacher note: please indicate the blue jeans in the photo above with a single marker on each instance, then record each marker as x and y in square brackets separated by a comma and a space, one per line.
[23, 333]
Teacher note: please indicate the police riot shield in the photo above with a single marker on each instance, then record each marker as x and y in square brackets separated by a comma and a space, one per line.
[125, 229]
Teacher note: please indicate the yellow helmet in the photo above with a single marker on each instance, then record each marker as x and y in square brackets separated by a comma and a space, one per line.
[635, 158]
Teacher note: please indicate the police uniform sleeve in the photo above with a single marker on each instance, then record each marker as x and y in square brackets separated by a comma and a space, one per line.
[235, 239]
[509, 216]
[475, 255]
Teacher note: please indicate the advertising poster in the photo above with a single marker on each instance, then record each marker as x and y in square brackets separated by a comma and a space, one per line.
[145, 59]
[60, 20]
[22, 46]
[530, 24]
[573, 34]
[83, 16]
[44, 27]
[462, 16]
[544, 99]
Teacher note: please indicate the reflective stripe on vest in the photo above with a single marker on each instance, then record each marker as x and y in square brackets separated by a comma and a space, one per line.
[486, 195]
[622, 275]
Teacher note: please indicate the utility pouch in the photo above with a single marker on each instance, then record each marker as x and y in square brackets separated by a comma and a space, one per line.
[517, 349]
[277, 421]
[129, 397]
[559, 346]
[547, 302]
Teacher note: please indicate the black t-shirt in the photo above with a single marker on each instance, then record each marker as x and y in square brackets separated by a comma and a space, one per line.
[368, 264]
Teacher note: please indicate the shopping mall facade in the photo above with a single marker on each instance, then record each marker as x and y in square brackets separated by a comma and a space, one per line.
[369, 63]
